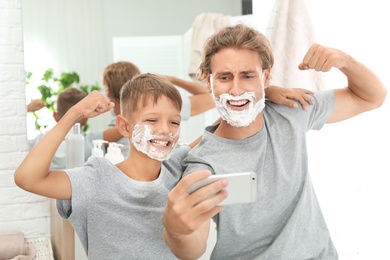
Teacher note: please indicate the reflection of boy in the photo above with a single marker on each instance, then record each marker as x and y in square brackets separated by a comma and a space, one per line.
[116, 210]
[286, 221]
[66, 99]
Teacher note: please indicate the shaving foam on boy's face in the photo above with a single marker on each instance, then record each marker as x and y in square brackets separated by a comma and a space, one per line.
[238, 118]
[156, 146]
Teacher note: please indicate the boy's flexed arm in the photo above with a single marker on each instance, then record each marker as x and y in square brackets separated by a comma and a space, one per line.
[34, 173]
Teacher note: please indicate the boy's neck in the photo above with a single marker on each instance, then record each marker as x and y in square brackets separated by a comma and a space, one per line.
[140, 167]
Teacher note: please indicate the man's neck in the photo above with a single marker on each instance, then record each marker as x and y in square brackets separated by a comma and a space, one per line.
[228, 131]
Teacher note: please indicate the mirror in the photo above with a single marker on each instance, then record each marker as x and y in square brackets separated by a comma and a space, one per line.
[77, 35]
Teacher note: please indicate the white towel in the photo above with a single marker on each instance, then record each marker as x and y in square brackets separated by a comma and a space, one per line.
[15, 247]
[292, 35]
[204, 25]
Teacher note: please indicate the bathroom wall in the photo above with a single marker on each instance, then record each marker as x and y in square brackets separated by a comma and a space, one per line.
[19, 210]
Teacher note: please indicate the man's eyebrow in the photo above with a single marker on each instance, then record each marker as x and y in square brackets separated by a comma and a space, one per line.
[223, 73]
[245, 72]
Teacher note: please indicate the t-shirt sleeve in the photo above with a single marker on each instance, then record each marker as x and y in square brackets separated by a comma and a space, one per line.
[82, 183]
[322, 109]
[175, 163]
[186, 108]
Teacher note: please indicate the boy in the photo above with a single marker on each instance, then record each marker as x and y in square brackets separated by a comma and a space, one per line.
[286, 221]
[108, 204]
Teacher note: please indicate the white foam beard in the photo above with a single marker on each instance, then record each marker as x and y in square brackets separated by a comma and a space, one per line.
[142, 136]
[237, 118]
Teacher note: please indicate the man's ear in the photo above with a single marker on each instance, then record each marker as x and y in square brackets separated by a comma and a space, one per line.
[267, 77]
[56, 116]
[123, 126]
[208, 82]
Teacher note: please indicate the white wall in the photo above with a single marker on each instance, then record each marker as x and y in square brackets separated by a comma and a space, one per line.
[349, 160]
[19, 210]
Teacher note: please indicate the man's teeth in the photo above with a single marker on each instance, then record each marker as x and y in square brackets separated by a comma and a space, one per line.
[161, 143]
[237, 102]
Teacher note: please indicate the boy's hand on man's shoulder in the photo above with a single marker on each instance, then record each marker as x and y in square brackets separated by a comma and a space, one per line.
[286, 96]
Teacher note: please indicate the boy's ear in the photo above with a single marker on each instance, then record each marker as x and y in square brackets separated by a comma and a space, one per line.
[123, 126]
[56, 116]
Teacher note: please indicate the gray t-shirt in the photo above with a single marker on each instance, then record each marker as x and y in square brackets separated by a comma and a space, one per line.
[117, 217]
[286, 221]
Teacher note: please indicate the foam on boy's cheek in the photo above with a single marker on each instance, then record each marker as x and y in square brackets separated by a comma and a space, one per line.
[156, 146]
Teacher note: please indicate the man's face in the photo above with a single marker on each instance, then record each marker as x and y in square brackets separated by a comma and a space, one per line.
[235, 72]
[237, 84]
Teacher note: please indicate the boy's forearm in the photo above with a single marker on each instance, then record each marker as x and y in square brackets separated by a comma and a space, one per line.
[194, 88]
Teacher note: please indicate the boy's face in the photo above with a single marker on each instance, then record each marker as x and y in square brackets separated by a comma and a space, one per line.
[237, 84]
[156, 128]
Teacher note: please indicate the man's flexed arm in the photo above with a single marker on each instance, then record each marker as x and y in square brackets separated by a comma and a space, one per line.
[33, 174]
[364, 92]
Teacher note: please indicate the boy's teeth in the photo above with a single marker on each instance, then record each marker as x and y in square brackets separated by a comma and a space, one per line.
[162, 143]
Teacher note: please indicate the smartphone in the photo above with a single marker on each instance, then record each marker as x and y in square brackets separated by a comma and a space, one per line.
[242, 187]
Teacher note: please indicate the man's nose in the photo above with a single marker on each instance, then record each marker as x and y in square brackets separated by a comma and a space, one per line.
[237, 87]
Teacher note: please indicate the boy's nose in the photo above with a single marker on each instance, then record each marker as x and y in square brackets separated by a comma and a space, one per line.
[163, 128]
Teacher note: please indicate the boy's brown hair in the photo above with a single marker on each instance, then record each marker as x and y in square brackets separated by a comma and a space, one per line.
[238, 37]
[141, 88]
[116, 75]
[67, 99]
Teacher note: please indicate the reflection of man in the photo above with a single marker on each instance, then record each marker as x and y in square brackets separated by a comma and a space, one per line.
[286, 221]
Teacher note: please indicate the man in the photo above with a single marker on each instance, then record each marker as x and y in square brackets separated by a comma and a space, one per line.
[286, 221]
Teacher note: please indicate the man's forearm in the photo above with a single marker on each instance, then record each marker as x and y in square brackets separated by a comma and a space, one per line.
[363, 83]
[188, 247]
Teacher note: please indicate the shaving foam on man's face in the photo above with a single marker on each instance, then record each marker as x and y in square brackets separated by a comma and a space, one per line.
[156, 146]
[238, 118]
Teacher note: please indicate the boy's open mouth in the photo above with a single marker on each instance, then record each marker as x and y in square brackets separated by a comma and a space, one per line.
[160, 142]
